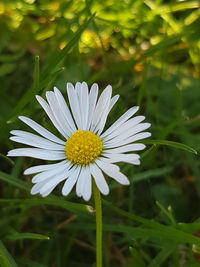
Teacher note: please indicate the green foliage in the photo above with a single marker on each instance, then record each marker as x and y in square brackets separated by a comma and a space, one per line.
[149, 52]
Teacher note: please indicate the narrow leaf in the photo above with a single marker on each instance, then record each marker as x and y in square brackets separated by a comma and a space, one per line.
[6, 259]
[52, 201]
[20, 236]
[172, 144]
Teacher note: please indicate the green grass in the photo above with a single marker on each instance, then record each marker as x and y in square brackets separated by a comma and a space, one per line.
[149, 52]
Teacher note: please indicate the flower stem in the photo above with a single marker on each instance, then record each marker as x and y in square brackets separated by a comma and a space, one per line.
[98, 208]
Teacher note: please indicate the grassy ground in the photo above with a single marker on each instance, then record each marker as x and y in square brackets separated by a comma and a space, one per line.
[149, 51]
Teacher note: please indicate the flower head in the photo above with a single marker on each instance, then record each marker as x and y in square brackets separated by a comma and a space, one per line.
[85, 152]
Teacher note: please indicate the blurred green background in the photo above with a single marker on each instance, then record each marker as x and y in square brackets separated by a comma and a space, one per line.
[149, 51]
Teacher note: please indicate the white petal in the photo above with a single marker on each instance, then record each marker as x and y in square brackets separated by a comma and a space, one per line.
[92, 103]
[54, 105]
[37, 153]
[50, 173]
[136, 162]
[101, 163]
[40, 168]
[120, 178]
[34, 140]
[129, 158]
[100, 126]
[80, 182]
[103, 119]
[41, 130]
[101, 110]
[48, 191]
[84, 104]
[127, 134]
[126, 148]
[74, 104]
[99, 179]
[113, 101]
[36, 188]
[70, 182]
[121, 120]
[50, 114]
[87, 186]
[78, 88]
[129, 140]
[53, 182]
[111, 171]
[124, 127]
[64, 108]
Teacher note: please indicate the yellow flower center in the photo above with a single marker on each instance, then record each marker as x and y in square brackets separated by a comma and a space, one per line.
[83, 147]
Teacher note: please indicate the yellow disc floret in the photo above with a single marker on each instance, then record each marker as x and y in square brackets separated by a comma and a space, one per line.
[83, 147]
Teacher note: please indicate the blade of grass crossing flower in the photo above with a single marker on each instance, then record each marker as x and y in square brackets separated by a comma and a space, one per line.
[36, 81]
[53, 64]
[6, 259]
[48, 83]
[46, 74]
[29, 93]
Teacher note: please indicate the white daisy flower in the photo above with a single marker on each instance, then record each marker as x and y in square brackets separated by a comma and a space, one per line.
[85, 152]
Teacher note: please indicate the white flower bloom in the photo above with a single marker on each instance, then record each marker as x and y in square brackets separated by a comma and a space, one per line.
[85, 153]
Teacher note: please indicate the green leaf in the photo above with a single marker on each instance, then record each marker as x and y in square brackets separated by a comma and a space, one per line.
[7, 159]
[52, 201]
[29, 263]
[148, 151]
[138, 177]
[36, 82]
[171, 144]
[167, 212]
[137, 257]
[164, 230]
[6, 259]
[20, 236]
[162, 256]
[149, 223]
[166, 233]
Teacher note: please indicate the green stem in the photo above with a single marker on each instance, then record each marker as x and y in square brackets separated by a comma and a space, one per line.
[98, 209]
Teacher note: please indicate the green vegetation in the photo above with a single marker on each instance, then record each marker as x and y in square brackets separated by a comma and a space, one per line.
[149, 51]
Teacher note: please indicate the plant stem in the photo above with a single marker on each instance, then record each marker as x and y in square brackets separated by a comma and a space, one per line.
[98, 209]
